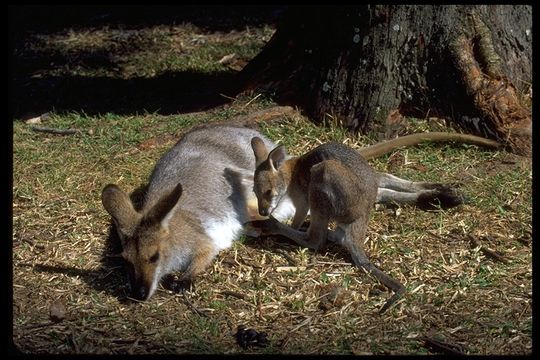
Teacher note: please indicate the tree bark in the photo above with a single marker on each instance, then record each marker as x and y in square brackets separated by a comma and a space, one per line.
[364, 66]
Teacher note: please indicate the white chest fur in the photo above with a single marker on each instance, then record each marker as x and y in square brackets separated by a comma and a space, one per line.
[285, 209]
[223, 231]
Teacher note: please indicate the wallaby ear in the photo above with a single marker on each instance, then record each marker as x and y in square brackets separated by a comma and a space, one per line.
[119, 206]
[162, 211]
[277, 157]
[259, 149]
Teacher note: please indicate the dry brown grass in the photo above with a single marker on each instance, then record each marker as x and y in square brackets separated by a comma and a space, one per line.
[455, 292]
[306, 302]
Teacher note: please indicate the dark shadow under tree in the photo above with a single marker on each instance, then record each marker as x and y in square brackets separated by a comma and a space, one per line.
[364, 66]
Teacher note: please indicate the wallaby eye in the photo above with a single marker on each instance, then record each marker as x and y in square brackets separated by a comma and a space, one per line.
[154, 257]
[268, 194]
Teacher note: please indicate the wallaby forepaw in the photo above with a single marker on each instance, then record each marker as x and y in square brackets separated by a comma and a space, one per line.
[177, 285]
[263, 227]
[251, 230]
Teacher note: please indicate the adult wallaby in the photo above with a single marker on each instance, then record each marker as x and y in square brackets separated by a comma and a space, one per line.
[196, 204]
[334, 183]
[199, 196]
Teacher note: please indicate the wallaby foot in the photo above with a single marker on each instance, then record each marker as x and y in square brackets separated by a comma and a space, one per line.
[443, 197]
[425, 195]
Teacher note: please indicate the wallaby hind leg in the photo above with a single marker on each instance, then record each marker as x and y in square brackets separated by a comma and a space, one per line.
[389, 181]
[394, 190]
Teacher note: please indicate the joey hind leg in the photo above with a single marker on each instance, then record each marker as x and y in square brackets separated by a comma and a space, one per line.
[425, 195]
[389, 181]
[389, 196]
[444, 197]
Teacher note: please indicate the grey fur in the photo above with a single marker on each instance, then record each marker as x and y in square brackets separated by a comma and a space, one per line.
[195, 205]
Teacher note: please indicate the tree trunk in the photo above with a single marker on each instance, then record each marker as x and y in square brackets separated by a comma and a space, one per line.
[364, 66]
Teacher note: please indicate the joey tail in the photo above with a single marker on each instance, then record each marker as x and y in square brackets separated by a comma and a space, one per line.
[360, 259]
[389, 282]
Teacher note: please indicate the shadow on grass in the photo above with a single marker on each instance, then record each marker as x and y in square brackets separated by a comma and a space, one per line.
[207, 17]
[111, 277]
[168, 93]
[107, 278]
[33, 90]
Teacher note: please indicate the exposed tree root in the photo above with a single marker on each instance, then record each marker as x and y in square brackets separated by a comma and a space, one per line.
[501, 115]
[266, 115]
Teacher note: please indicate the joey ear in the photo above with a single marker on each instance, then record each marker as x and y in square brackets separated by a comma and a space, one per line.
[119, 206]
[277, 157]
[259, 149]
[162, 211]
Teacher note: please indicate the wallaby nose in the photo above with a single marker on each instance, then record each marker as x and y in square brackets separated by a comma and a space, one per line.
[140, 293]
[263, 212]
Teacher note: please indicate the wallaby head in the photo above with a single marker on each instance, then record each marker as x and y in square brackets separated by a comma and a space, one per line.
[269, 181]
[144, 237]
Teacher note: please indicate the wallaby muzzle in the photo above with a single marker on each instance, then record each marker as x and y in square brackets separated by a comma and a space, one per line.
[138, 289]
[263, 212]
[140, 292]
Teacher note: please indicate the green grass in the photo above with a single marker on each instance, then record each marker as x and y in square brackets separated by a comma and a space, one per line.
[152, 51]
[60, 228]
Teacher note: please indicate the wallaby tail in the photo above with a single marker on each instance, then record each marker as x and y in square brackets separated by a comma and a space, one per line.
[425, 195]
[389, 282]
[361, 260]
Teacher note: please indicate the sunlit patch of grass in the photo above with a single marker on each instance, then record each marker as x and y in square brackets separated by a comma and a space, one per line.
[60, 228]
[56, 204]
[144, 52]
